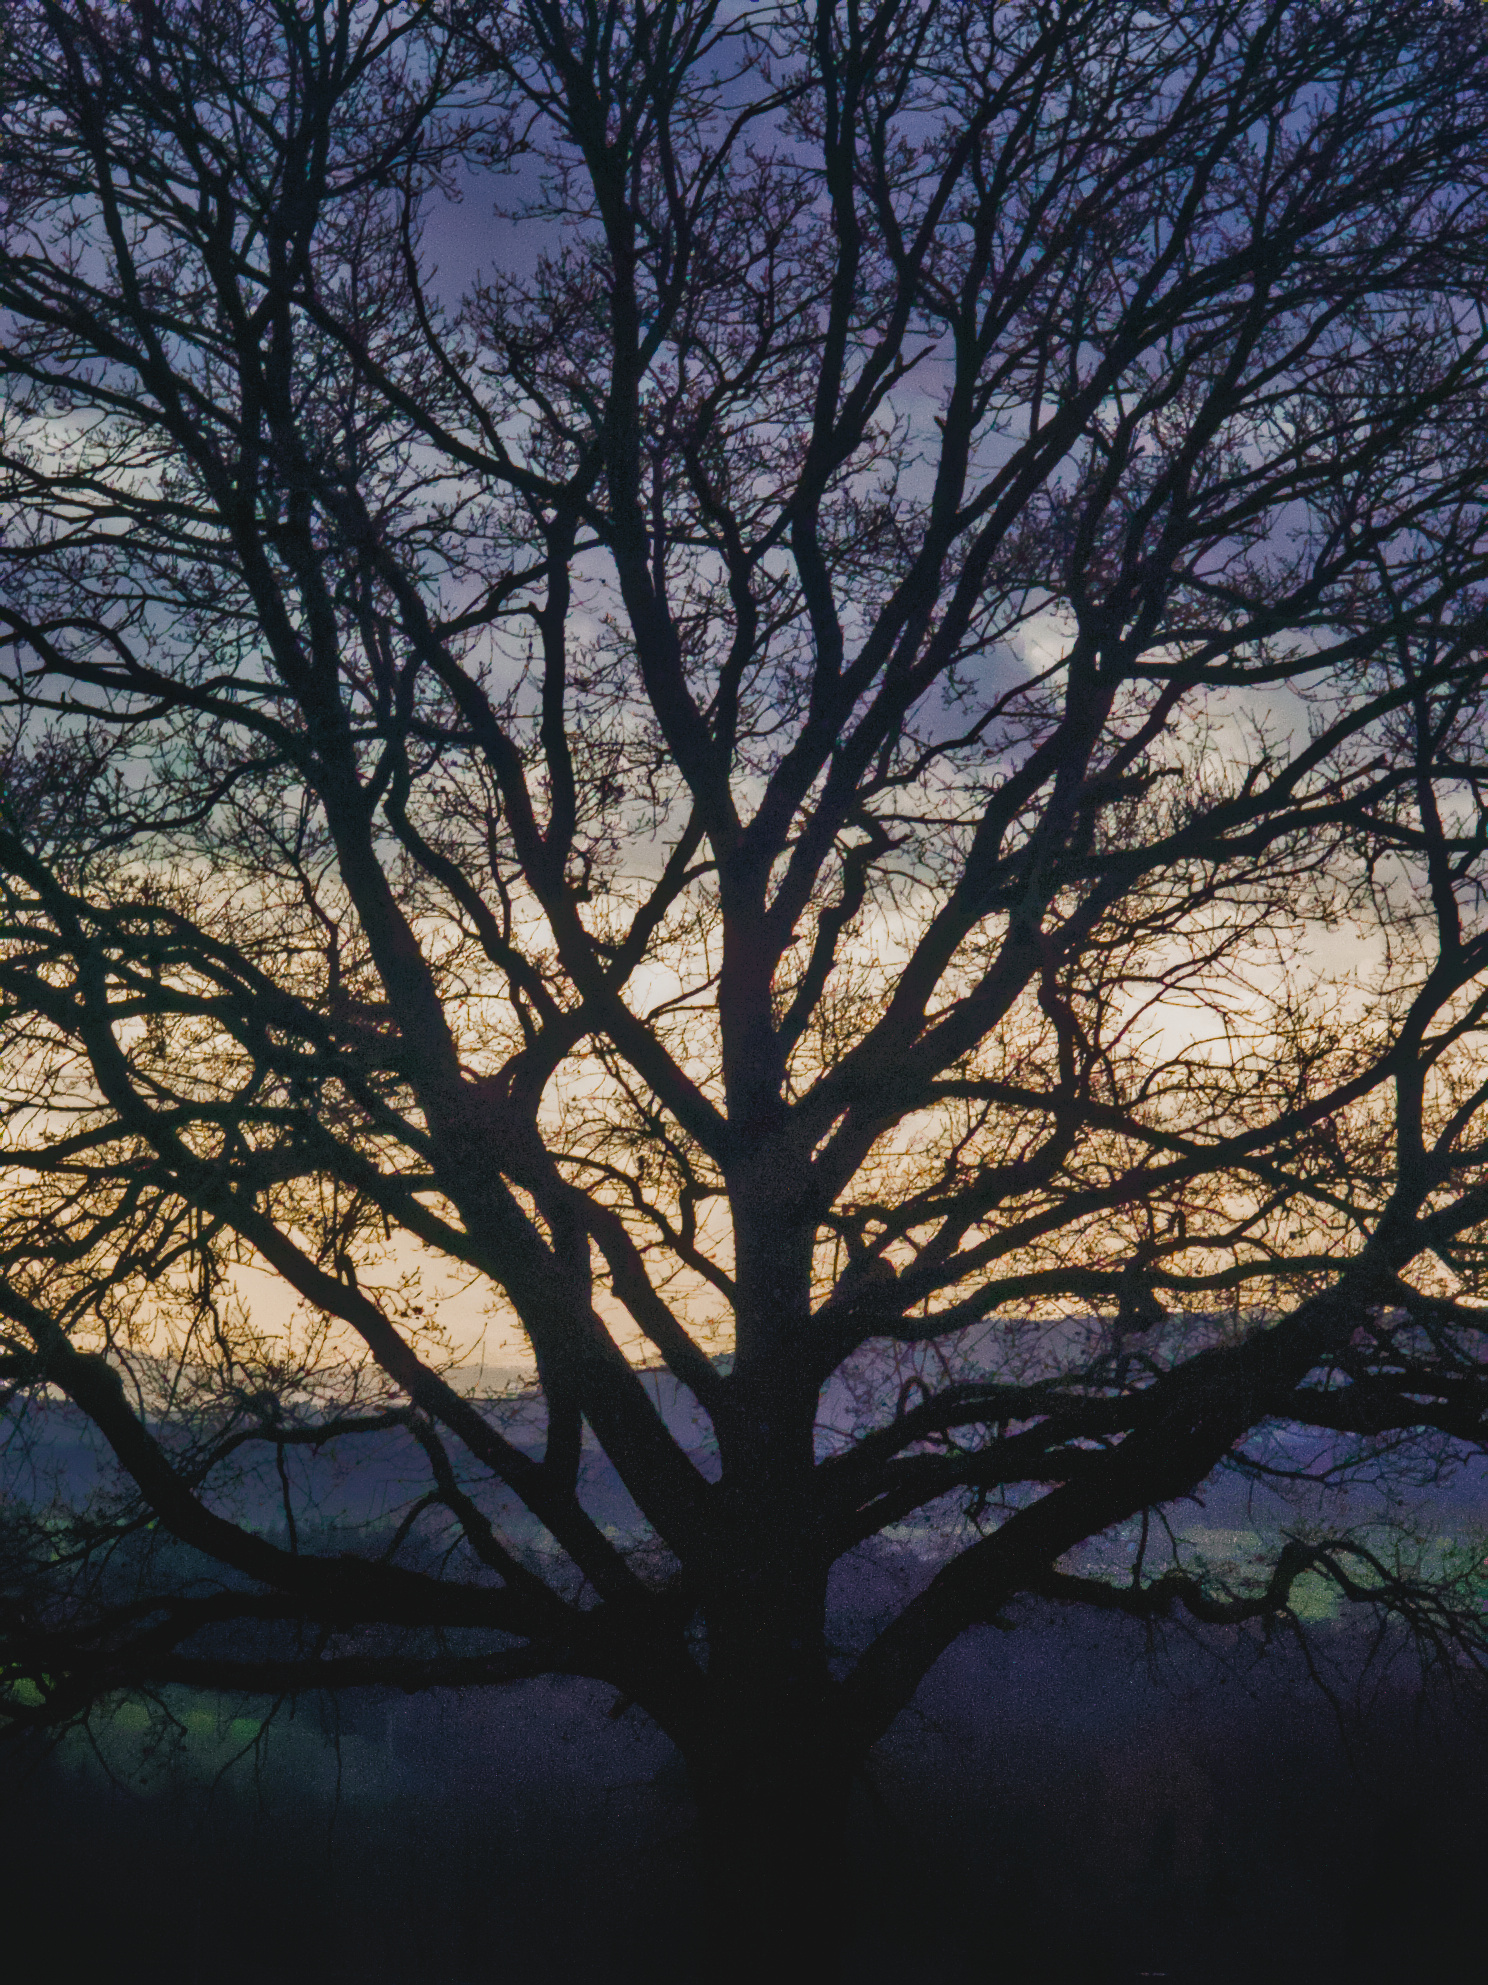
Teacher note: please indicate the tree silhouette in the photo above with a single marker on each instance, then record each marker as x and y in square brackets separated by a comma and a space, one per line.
[861, 773]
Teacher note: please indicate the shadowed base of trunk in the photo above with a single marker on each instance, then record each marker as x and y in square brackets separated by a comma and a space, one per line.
[771, 1841]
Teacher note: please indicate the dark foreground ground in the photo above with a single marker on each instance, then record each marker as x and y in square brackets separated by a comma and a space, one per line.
[1053, 1809]
[1058, 1805]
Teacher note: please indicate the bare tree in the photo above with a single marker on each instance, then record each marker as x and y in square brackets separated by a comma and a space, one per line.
[863, 770]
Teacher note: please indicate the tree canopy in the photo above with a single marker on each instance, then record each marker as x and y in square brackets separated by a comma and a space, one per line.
[855, 757]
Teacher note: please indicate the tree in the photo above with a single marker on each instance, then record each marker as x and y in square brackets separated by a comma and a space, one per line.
[868, 760]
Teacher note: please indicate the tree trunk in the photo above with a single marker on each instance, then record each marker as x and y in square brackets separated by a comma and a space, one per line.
[771, 1818]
